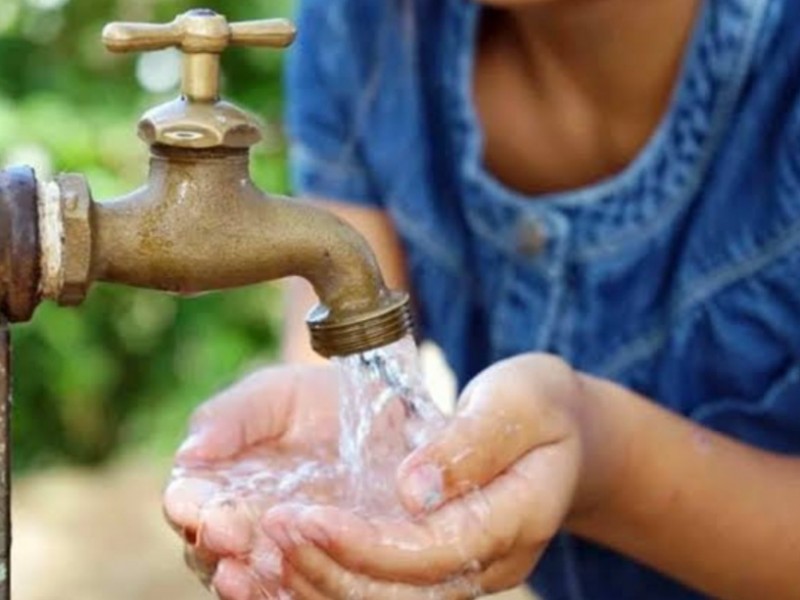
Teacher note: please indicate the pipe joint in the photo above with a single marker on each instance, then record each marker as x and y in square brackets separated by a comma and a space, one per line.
[65, 230]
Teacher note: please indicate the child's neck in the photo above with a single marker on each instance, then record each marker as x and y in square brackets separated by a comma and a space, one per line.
[589, 80]
[620, 56]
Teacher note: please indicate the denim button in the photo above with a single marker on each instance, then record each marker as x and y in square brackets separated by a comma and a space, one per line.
[531, 237]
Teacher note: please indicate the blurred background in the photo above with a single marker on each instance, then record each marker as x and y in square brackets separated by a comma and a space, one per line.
[102, 393]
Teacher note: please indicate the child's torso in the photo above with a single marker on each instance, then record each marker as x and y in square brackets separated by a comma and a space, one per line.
[679, 276]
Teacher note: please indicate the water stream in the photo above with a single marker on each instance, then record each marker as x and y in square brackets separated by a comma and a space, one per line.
[384, 413]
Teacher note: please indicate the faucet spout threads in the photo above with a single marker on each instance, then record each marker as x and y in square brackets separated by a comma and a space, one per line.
[336, 336]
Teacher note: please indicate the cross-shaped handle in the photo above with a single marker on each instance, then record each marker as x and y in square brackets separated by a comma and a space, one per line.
[202, 35]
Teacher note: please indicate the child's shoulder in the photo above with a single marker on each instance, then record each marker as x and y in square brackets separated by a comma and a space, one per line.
[348, 20]
[370, 24]
[348, 33]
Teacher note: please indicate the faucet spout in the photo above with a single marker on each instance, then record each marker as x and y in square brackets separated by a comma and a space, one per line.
[200, 224]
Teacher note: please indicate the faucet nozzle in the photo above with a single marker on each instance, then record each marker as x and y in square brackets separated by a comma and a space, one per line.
[332, 336]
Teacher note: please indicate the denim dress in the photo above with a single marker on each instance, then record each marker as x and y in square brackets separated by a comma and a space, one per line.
[679, 277]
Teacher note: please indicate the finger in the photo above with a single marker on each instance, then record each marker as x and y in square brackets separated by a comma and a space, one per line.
[500, 420]
[266, 564]
[233, 581]
[318, 576]
[184, 499]
[257, 408]
[227, 526]
[508, 573]
[401, 551]
[201, 563]
[311, 572]
[308, 581]
[299, 588]
[525, 504]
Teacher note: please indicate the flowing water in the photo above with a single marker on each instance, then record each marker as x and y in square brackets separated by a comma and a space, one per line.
[384, 413]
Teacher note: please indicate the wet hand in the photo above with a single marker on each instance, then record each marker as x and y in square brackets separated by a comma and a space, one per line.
[488, 496]
[277, 415]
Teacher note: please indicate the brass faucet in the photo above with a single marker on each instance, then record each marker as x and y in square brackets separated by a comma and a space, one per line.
[199, 223]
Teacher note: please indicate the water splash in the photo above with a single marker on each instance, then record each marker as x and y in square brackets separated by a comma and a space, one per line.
[385, 413]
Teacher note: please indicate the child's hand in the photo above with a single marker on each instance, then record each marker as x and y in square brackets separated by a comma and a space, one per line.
[292, 410]
[489, 495]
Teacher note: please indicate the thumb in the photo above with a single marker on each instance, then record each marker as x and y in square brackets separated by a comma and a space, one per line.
[503, 416]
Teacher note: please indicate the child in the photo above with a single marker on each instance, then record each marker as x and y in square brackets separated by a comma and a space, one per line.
[613, 182]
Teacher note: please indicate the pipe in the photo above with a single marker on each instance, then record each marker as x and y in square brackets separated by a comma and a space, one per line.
[19, 296]
[19, 244]
[5, 460]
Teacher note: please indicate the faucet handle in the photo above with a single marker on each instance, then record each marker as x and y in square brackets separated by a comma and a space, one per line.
[202, 35]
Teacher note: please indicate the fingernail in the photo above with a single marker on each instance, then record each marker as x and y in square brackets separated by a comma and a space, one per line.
[425, 487]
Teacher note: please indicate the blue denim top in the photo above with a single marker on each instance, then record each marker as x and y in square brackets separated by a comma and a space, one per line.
[679, 277]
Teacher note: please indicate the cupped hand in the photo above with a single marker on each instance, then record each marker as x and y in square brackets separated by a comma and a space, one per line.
[488, 496]
[243, 450]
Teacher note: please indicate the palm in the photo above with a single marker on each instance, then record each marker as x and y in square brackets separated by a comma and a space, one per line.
[270, 439]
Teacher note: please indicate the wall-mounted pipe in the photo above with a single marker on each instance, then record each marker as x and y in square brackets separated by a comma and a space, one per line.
[5, 461]
[19, 295]
[19, 244]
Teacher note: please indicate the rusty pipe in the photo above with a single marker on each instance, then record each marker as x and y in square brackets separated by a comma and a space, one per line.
[19, 295]
[19, 243]
[5, 460]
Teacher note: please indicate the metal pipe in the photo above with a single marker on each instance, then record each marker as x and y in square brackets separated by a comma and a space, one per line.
[5, 460]
[19, 295]
[19, 244]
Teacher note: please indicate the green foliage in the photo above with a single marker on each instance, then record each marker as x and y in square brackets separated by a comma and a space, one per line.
[127, 367]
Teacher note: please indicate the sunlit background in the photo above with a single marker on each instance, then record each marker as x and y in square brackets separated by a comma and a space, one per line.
[102, 392]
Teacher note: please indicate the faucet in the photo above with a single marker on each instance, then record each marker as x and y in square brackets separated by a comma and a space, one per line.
[199, 223]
